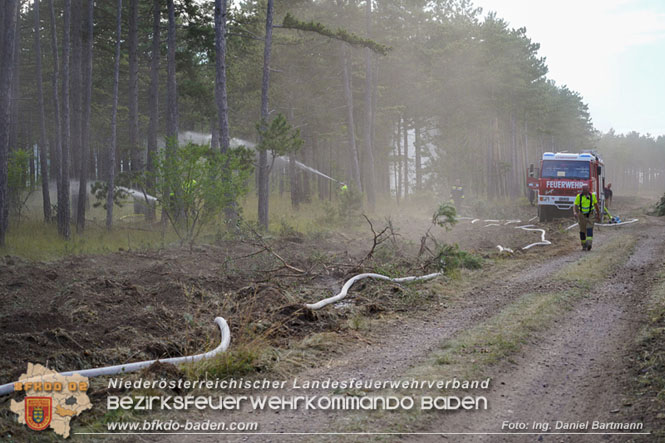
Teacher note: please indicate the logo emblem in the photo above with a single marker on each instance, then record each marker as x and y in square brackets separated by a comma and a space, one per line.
[38, 412]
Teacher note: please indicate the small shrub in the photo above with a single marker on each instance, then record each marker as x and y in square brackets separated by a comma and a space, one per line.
[197, 184]
[236, 362]
[288, 231]
[659, 210]
[451, 257]
[445, 216]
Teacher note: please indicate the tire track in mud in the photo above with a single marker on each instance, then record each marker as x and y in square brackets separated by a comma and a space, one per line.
[393, 353]
[575, 372]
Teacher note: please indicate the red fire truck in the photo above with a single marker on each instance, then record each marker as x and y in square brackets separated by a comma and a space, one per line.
[562, 175]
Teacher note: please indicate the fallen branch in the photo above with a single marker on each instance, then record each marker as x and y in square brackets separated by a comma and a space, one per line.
[376, 241]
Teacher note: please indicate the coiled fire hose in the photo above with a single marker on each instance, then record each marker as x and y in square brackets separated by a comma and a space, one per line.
[131, 367]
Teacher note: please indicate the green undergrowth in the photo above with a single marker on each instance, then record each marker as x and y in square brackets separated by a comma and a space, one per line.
[35, 240]
[241, 360]
[450, 258]
[30, 238]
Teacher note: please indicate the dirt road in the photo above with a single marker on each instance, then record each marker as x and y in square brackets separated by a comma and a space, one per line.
[577, 372]
[572, 372]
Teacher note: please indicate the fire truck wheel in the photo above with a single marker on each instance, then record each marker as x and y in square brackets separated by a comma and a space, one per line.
[543, 213]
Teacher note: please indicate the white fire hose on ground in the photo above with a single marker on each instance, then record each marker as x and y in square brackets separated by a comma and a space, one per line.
[351, 281]
[493, 222]
[542, 241]
[131, 367]
[627, 222]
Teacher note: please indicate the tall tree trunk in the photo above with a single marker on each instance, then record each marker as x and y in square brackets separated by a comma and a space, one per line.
[3, 26]
[263, 171]
[315, 164]
[85, 121]
[418, 150]
[214, 135]
[380, 173]
[172, 105]
[398, 161]
[294, 174]
[114, 123]
[57, 158]
[320, 165]
[304, 189]
[525, 149]
[135, 161]
[153, 103]
[306, 194]
[491, 185]
[515, 168]
[221, 98]
[293, 182]
[63, 199]
[7, 36]
[350, 121]
[406, 157]
[15, 104]
[220, 75]
[172, 96]
[53, 164]
[75, 86]
[370, 179]
[43, 164]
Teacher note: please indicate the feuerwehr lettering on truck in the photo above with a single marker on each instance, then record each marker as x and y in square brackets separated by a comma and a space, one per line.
[563, 184]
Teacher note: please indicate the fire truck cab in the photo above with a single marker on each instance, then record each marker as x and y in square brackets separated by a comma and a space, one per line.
[562, 176]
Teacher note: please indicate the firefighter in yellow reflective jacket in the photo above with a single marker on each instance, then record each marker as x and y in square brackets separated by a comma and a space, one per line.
[586, 210]
[457, 194]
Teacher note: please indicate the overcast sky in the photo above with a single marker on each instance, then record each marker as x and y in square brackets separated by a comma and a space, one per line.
[610, 51]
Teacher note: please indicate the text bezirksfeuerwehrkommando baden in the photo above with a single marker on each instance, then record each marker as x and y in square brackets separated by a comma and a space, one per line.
[293, 402]
[335, 401]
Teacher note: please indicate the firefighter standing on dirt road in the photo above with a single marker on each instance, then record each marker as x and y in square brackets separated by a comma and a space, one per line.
[586, 209]
[457, 194]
